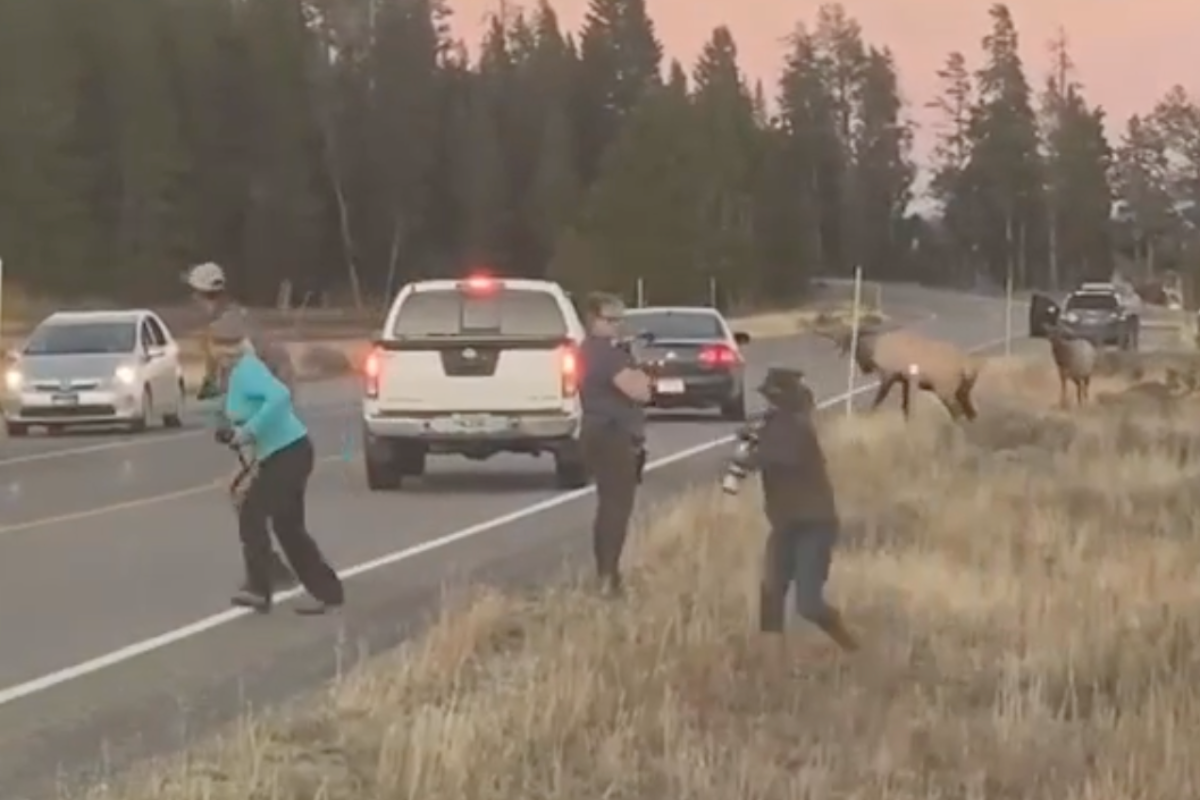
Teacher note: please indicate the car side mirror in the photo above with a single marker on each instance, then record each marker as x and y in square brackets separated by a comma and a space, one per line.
[741, 337]
[153, 353]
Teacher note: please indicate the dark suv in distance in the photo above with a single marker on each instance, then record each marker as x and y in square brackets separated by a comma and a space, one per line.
[1099, 313]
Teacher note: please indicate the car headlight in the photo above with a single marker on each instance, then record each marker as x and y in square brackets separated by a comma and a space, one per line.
[13, 379]
[125, 376]
[1071, 316]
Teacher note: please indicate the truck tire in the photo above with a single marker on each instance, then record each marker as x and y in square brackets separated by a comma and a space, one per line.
[382, 475]
[570, 472]
[389, 462]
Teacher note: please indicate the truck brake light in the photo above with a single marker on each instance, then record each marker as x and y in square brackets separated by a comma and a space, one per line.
[371, 371]
[569, 364]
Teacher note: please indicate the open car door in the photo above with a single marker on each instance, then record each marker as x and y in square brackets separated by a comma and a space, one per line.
[1043, 314]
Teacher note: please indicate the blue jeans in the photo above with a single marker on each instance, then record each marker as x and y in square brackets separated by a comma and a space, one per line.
[798, 554]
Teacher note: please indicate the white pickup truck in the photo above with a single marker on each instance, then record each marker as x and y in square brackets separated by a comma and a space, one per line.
[474, 367]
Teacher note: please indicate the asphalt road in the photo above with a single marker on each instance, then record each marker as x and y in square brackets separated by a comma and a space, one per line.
[117, 555]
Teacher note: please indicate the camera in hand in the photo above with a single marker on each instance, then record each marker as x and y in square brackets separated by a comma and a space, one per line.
[738, 467]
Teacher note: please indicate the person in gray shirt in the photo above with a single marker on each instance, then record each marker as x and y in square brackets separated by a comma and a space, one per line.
[208, 286]
[612, 394]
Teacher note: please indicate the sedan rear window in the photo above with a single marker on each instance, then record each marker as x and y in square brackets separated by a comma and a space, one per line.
[673, 324]
[81, 338]
[506, 312]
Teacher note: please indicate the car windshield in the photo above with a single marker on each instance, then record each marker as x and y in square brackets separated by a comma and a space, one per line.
[507, 312]
[673, 324]
[1092, 302]
[81, 338]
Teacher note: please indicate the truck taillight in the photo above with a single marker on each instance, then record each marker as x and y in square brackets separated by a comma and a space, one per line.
[570, 366]
[371, 369]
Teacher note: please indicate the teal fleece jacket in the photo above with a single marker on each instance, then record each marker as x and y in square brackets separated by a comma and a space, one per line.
[258, 404]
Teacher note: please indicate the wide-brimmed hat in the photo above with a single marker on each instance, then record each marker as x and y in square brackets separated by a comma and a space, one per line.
[786, 387]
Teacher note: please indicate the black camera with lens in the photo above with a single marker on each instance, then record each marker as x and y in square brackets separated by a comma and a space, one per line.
[739, 466]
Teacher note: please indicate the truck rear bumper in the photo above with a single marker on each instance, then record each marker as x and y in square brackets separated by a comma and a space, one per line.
[472, 429]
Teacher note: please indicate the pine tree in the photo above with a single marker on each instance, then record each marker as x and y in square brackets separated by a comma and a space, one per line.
[48, 229]
[952, 154]
[812, 153]
[640, 220]
[842, 61]
[284, 230]
[1004, 173]
[1141, 182]
[211, 82]
[552, 201]
[403, 132]
[1177, 117]
[883, 171]
[620, 57]
[1077, 165]
[729, 141]
[146, 201]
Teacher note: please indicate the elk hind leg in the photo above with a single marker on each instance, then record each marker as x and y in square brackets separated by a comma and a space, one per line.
[963, 396]
[885, 388]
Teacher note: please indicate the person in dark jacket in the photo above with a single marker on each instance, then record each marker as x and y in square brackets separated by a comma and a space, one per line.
[800, 507]
[261, 418]
[208, 285]
[612, 394]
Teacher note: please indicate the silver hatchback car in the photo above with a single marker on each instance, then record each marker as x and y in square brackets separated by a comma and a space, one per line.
[95, 368]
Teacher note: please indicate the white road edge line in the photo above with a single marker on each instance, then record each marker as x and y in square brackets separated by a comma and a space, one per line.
[12, 694]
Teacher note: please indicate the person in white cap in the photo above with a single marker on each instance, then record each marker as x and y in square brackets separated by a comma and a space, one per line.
[208, 285]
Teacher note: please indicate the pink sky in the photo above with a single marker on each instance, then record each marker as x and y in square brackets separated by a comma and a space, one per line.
[1128, 53]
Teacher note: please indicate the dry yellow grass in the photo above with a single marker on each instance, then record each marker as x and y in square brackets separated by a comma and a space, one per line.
[1027, 591]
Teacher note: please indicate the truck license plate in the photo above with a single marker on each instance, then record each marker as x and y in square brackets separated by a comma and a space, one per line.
[469, 423]
[64, 399]
[669, 386]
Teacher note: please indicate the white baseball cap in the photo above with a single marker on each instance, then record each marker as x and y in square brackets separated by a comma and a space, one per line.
[207, 277]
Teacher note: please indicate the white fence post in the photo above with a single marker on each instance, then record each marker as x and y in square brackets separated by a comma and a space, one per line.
[854, 320]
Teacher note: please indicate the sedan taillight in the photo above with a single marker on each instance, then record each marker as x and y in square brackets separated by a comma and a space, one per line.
[720, 356]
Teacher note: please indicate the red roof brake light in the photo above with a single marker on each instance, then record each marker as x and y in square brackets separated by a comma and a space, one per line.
[720, 356]
[479, 284]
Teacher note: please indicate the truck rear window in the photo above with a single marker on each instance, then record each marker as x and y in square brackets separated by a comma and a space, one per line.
[507, 312]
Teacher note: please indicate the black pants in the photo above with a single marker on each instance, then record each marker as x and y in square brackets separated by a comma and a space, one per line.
[277, 497]
[612, 458]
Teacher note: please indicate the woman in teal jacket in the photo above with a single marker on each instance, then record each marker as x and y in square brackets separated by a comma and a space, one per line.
[261, 416]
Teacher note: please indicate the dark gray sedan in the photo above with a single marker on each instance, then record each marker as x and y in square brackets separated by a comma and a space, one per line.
[693, 357]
